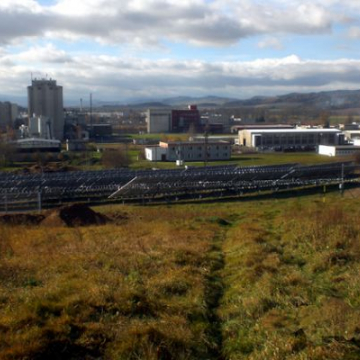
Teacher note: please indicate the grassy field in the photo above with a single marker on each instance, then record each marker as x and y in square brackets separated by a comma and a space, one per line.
[252, 279]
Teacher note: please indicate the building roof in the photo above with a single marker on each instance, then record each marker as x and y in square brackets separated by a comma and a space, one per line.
[197, 142]
[297, 130]
[342, 147]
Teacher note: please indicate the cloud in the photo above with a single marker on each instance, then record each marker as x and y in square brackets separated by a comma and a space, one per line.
[216, 23]
[42, 55]
[116, 78]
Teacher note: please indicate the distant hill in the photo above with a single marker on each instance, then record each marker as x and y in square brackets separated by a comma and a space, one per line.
[20, 100]
[147, 105]
[326, 100]
[206, 101]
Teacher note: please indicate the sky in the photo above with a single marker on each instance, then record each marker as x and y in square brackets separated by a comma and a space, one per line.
[121, 50]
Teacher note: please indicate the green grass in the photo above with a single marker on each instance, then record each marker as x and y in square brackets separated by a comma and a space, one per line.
[290, 277]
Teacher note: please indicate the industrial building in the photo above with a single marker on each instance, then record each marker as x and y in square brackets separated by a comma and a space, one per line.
[36, 144]
[290, 139]
[184, 120]
[8, 114]
[186, 151]
[45, 98]
[39, 127]
[158, 120]
[167, 120]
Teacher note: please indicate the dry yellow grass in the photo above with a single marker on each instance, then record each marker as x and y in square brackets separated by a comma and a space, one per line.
[150, 286]
[128, 291]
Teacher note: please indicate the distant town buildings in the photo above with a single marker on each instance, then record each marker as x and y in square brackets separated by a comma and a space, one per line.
[45, 98]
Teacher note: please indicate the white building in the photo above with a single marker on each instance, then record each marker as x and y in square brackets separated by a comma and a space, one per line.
[352, 134]
[340, 150]
[294, 139]
[186, 151]
[45, 98]
[155, 153]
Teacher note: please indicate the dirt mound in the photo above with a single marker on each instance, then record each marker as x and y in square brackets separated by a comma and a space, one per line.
[21, 219]
[74, 215]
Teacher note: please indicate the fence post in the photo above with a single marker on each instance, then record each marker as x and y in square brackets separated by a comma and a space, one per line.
[6, 202]
[39, 201]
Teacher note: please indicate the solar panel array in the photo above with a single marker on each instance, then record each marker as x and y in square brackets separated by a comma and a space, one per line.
[235, 179]
[58, 187]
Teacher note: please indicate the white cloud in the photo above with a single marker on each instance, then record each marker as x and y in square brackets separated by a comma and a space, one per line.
[154, 24]
[42, 55]
[116, 77]
[197, 22]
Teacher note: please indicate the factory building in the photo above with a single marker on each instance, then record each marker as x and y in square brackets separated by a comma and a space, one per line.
[158, 120]
[45, 98]
[290, 139]
[8, 114]
[183, 120]
[177, 121]
[186, 151]
[37, 144]
[40, 127]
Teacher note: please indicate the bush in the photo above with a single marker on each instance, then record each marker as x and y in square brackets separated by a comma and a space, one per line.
[115, 158]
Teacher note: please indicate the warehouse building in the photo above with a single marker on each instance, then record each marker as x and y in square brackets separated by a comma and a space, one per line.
[290, 139]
